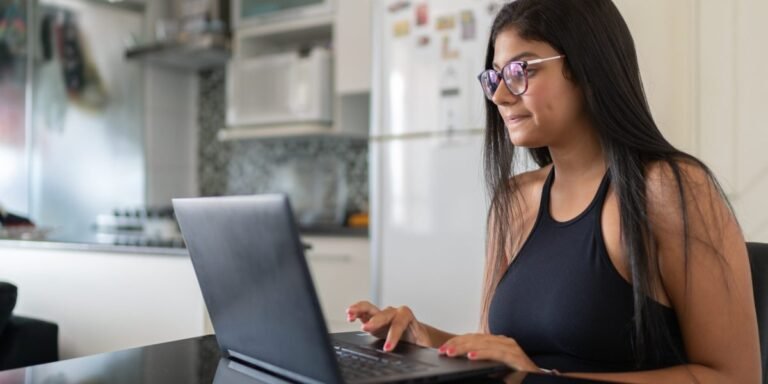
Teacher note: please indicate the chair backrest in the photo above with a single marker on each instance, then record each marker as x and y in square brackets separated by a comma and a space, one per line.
[758, 260]
[8, 294]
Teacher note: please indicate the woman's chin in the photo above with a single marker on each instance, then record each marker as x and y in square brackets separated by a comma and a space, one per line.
[523, 141]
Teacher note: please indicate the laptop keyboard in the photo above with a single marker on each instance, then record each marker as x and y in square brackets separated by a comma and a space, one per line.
[358, 363]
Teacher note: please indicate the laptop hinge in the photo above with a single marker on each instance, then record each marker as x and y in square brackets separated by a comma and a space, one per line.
[272, 368]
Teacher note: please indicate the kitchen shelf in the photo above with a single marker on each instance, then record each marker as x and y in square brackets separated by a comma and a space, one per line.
[206, 52]
[283, 130]
[279, 36]
[288, 28]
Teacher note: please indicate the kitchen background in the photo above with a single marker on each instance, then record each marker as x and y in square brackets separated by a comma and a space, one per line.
[124, 148]
[329, 174]
[364, 111]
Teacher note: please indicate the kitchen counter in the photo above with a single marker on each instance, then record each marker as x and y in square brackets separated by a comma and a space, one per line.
[334, 231]
[107, 297]
[92, 242]
[65, 245]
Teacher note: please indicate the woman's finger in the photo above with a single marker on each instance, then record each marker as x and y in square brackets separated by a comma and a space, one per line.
[517, 361]
[362, 310]
[379, 321]
[400, 322]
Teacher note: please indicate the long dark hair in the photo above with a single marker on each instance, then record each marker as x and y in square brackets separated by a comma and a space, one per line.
[600, 58]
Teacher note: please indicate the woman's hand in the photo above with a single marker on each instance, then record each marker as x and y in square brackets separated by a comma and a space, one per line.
[489, 347]
[392, 324]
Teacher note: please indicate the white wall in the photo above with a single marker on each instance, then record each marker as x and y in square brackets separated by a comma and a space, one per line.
[664, 33]
[703, 66]
[748, 127]
[170, 134]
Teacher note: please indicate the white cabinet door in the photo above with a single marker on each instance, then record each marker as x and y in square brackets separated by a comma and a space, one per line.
[341, 272]
[106, 301]
[352, 39]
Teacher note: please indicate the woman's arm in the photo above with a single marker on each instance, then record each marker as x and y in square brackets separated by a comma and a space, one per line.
[710, 289]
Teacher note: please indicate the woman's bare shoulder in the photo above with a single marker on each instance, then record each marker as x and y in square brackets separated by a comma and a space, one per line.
[665, 180]
[529, 184]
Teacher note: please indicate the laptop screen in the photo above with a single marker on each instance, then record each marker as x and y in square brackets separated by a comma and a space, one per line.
[256, 284]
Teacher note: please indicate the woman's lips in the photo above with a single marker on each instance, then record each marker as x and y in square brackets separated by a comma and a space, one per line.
[515, 119]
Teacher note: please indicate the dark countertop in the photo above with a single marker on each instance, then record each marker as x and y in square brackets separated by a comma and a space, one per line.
[334, 231]
[194, 361]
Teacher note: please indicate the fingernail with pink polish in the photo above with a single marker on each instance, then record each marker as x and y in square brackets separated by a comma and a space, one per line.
[450, 351]
[387, 347]
[442, 349]
[472, 355]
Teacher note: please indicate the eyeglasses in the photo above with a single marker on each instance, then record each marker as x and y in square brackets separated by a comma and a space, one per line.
[515, 75]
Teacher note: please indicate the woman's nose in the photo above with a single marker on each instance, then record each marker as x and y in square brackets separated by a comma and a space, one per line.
[502, 95]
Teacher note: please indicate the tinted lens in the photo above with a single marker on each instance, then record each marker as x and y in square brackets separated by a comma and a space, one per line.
[489, 80]
[515, 78]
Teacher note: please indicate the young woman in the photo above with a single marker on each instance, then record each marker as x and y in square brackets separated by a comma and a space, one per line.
[619, 258]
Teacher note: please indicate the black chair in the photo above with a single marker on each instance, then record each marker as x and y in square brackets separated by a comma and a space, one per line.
[24, 341]
[758, 260]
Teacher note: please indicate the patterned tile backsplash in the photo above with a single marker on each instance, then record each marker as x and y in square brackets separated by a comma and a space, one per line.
[326, 177]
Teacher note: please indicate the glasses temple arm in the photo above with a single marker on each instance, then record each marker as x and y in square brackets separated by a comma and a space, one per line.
[537, 61]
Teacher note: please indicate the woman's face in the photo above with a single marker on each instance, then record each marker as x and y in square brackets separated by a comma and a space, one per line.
[551, 109]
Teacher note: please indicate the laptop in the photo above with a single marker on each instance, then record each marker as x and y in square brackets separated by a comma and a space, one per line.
[254, 278]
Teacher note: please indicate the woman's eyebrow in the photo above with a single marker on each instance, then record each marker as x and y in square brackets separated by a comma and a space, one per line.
[516, 58]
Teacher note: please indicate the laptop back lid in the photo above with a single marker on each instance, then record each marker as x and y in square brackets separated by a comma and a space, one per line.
[256, 284]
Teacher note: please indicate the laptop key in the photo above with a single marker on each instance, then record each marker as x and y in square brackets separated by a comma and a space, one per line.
[360, 364]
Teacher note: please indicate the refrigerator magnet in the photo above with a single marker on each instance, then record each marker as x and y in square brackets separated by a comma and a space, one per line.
[468, 26]
[423, 41]
[422, 14]
[401, 28]
[446, 22]
[399, 6]
[449, 52]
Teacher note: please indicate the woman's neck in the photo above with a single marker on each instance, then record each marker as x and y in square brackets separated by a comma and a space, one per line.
[579, 158]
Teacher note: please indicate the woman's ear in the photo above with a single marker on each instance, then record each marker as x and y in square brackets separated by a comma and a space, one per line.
[567, 73]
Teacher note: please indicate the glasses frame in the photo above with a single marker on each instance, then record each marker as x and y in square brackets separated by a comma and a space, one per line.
[500, 74]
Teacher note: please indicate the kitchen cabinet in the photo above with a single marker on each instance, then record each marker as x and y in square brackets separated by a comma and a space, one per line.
[246, 13]
[105, 300]
[347, 30]
[340, 268]
[352, 39]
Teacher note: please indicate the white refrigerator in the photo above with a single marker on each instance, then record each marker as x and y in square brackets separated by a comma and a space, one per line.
[428, 200]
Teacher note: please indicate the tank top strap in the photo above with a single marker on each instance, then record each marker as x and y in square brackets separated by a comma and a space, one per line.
[597, 201]
[544, 203]
[602, 191]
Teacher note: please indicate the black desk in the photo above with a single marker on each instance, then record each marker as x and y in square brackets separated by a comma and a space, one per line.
[192, 361]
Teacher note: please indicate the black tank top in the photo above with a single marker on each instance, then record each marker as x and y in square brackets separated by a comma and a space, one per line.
[565, 303]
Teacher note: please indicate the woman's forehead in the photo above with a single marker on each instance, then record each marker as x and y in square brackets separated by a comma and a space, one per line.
[510, 46]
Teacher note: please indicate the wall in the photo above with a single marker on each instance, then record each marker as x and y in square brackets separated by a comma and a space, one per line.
[319, 173]
[170, 134]
[703, 70]
[734, 134]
